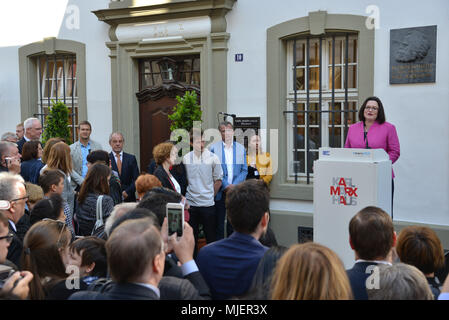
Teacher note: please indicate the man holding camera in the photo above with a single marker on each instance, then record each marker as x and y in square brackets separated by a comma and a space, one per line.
[13, 285]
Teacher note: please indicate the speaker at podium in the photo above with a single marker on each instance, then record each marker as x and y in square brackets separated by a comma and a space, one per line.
[346, 181]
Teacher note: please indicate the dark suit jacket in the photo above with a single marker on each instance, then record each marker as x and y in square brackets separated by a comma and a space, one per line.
[119, 291]
[357, 277]
[20, 144]
[229, 265]
[15, 248]
[163, 177]
[30, 169]
[178, 172]
[130, 172]
[59, 290]
[192, 288]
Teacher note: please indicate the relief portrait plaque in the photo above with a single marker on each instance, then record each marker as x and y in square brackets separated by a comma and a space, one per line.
[413, 55]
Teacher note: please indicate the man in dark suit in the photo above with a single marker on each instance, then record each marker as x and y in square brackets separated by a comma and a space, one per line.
[135, 254]
[229, 265]
[372, 237]
[125, 164]
[12, 189]
[33, 131]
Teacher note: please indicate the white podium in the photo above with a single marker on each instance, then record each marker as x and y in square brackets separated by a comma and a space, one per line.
[346, 181]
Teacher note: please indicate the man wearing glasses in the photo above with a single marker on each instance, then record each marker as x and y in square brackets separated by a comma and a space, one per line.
[21, 289]
[12, 189]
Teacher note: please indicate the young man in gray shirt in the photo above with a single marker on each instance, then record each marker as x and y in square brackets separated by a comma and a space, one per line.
[204, 175]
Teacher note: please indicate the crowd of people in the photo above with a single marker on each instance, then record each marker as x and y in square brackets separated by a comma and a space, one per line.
[79, 223]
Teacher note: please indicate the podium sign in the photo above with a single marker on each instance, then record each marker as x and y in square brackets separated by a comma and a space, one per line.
[346, 181]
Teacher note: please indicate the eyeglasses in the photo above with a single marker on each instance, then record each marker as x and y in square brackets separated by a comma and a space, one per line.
[8, 237]
[14, 200]
[372, 108]
[61, 224]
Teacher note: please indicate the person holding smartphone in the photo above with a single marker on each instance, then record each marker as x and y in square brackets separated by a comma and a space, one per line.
[9, 157]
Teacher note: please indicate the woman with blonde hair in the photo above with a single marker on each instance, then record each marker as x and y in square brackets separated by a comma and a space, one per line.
[59, 158]
[310, 271]
[259, 162]
[48, 145]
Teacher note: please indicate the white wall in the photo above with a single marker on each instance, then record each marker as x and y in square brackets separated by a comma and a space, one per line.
[419, 112]
[94, 34]
[56, 18]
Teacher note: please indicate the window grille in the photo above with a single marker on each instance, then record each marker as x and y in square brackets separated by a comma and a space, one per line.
[57, 81]
[321, 99]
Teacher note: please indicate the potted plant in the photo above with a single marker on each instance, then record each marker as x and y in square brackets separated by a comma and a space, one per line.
[57, 123]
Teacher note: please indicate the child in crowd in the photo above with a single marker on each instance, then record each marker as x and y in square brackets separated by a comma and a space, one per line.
[89, 255]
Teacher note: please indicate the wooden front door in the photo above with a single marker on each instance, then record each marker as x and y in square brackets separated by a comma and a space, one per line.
[154, 126]
[160, 81]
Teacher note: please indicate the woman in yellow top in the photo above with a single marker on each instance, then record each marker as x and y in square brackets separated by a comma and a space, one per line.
[259, 163]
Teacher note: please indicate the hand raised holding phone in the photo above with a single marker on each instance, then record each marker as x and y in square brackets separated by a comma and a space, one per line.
[183, 246]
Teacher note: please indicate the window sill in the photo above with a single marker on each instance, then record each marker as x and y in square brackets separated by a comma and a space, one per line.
[291, 191]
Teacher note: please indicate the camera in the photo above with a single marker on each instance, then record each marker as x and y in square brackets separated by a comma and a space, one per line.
[5, 273]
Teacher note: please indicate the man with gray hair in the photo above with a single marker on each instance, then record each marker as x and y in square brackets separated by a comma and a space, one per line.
[12, 189]
[33, 131]
[9, 136]
[9, 157]
[399, 281]
[118, 211]
[126, 166]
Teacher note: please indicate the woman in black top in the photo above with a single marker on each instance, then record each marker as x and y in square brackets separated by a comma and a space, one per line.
[170, 175]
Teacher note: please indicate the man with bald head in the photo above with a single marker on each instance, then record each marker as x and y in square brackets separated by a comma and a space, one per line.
[126, 166]
[33, 131]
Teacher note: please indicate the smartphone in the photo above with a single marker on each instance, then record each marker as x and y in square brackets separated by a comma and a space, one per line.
[8, 161]
[175, 218]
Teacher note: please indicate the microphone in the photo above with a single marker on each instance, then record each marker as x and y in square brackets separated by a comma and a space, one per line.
[228, 114]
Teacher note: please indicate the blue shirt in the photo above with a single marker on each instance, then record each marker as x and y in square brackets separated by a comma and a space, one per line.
[228, 266]
[85, 150]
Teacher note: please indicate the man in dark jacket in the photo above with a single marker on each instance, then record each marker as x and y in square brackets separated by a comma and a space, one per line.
[33, 131]
[372, 237]
[126, 166]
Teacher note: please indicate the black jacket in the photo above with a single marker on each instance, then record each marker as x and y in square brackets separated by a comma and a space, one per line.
[15, 248]
[178, 172]
[357, 277]
[119, 291]
[86, 213]
[129, 174]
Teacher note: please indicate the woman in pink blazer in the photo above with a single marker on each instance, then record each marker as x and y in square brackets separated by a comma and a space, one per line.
[373, 132]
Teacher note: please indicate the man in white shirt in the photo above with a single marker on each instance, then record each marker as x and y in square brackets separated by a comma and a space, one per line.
[232, 156]
[204, 176]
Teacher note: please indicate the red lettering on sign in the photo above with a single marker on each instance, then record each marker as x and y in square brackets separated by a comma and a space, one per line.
[342, 182]
[335, 190]
[342, 200]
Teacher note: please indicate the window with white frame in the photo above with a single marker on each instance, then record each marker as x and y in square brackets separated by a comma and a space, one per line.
[321, 97]
[56, 79]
